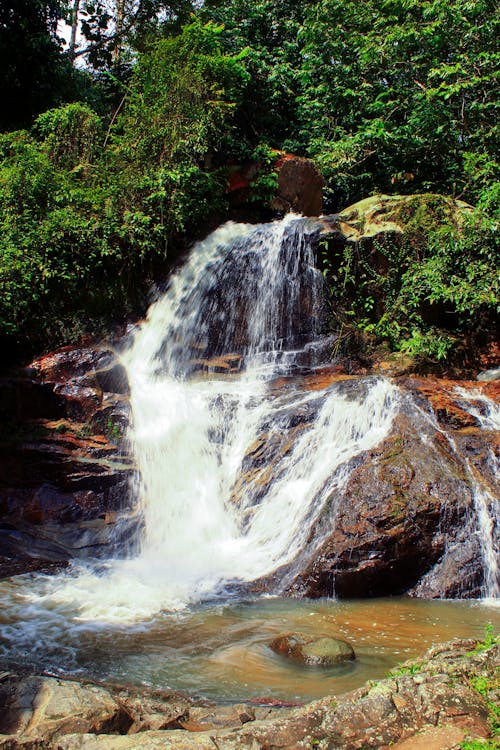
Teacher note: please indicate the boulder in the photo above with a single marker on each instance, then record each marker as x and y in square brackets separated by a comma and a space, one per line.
[489, 376]
[43, 708]
[300, 187]
[389, 215]
[325, 652]
[404, 518]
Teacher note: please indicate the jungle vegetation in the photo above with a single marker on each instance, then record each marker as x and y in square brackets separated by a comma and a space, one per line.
[114, 151]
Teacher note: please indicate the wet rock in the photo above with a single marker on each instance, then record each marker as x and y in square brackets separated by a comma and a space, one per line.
[488, 376]
[64, 467]
[387, 712]
[404, 519]
[42, 708]
[316, 652]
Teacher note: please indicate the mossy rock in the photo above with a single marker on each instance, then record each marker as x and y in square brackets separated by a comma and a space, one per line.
[323, 651]
[398, 214]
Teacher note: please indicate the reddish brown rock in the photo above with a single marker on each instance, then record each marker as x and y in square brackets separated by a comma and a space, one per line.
[300, 186]
[299, 189]
[63, 465]
[433, 699]
[404, 520]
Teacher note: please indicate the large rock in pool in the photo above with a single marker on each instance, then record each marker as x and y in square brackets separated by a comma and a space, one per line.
[316, 652]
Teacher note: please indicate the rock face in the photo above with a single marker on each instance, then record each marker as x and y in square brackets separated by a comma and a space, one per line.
[407, 516]
[431, 703]
[299, 189]
[382, 217]
[324, 652]
[64, 469]
[405, 520]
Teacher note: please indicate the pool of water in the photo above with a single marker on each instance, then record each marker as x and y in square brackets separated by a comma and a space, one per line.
[221, 651]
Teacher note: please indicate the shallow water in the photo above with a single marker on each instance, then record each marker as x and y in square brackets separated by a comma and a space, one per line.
[221, 651]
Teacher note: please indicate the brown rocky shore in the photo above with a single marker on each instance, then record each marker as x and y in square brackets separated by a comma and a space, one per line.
[448, 697]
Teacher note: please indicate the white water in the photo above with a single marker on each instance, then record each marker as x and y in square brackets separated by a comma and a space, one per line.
[190, 434]
[484, 520]
[251, 291]
[486, 504]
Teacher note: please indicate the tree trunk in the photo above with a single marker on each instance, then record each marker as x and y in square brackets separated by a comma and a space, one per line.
[74, 29]
[119, 22]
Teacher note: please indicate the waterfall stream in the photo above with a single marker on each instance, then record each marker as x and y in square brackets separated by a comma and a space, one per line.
[237, 464]
[251, 293]
[243, 313]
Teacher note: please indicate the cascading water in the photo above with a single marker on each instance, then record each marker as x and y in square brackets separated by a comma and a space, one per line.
[482, 522]
[249, 301]
[239, 463]
[249, 292]
[487, 506]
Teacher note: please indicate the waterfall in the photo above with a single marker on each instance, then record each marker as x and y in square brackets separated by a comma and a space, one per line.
[244, 309]
[486, 504]
[239, 462]
[482, 522]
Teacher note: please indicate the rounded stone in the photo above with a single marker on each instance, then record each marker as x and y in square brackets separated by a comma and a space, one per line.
[323, 651]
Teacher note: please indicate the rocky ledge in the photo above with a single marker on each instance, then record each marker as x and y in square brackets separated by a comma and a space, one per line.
[404, 521]
[406, 516]
[444, 699]
[64, 466]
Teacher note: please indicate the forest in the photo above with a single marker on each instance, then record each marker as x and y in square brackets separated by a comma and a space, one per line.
[116, 145]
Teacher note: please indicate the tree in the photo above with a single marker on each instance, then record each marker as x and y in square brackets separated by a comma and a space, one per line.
[34, 72]
[113, 31]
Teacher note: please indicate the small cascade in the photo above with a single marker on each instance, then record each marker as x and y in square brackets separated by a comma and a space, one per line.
[487, 506]
[483, 522]
[242, 465]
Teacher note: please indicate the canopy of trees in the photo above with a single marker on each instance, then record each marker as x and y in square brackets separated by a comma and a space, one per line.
[122, 161]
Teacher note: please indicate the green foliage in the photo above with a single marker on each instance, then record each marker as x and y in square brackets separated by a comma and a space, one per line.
[413, 668]
[487, 688]
[264, 186]
[34, 73]
[490, 639]
[71, 135]
[384, 96]
[419, 292]
[113, 431]
[171, 133]
[401, 92]
[88, 210]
